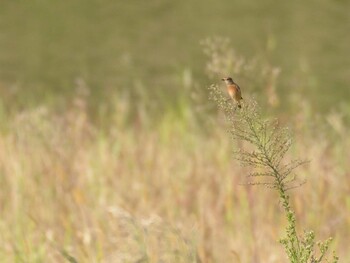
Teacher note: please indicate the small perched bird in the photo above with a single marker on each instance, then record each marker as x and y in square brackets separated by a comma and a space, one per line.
[233, 90]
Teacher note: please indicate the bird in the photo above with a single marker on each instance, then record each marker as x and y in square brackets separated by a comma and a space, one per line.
[233, 90]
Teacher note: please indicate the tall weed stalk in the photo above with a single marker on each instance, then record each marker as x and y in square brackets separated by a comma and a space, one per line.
[264, 144]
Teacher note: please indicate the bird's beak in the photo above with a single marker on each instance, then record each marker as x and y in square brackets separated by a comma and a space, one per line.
[223, 79]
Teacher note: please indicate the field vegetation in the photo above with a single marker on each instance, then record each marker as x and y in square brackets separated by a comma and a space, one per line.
[111, 151]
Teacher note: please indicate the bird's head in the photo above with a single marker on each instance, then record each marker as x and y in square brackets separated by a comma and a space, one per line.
[228, 80]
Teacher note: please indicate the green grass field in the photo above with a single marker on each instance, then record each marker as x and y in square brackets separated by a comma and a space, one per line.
[110, 150]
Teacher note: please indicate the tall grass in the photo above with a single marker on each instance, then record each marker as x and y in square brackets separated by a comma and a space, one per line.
[157, 191]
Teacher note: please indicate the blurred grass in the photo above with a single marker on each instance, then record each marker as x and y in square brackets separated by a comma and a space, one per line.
[110, 152]
[168, 193]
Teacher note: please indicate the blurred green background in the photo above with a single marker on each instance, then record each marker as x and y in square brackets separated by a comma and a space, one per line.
[125, 48]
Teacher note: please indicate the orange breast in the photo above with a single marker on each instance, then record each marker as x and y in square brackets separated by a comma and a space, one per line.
[234, 92]
[232, 89]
